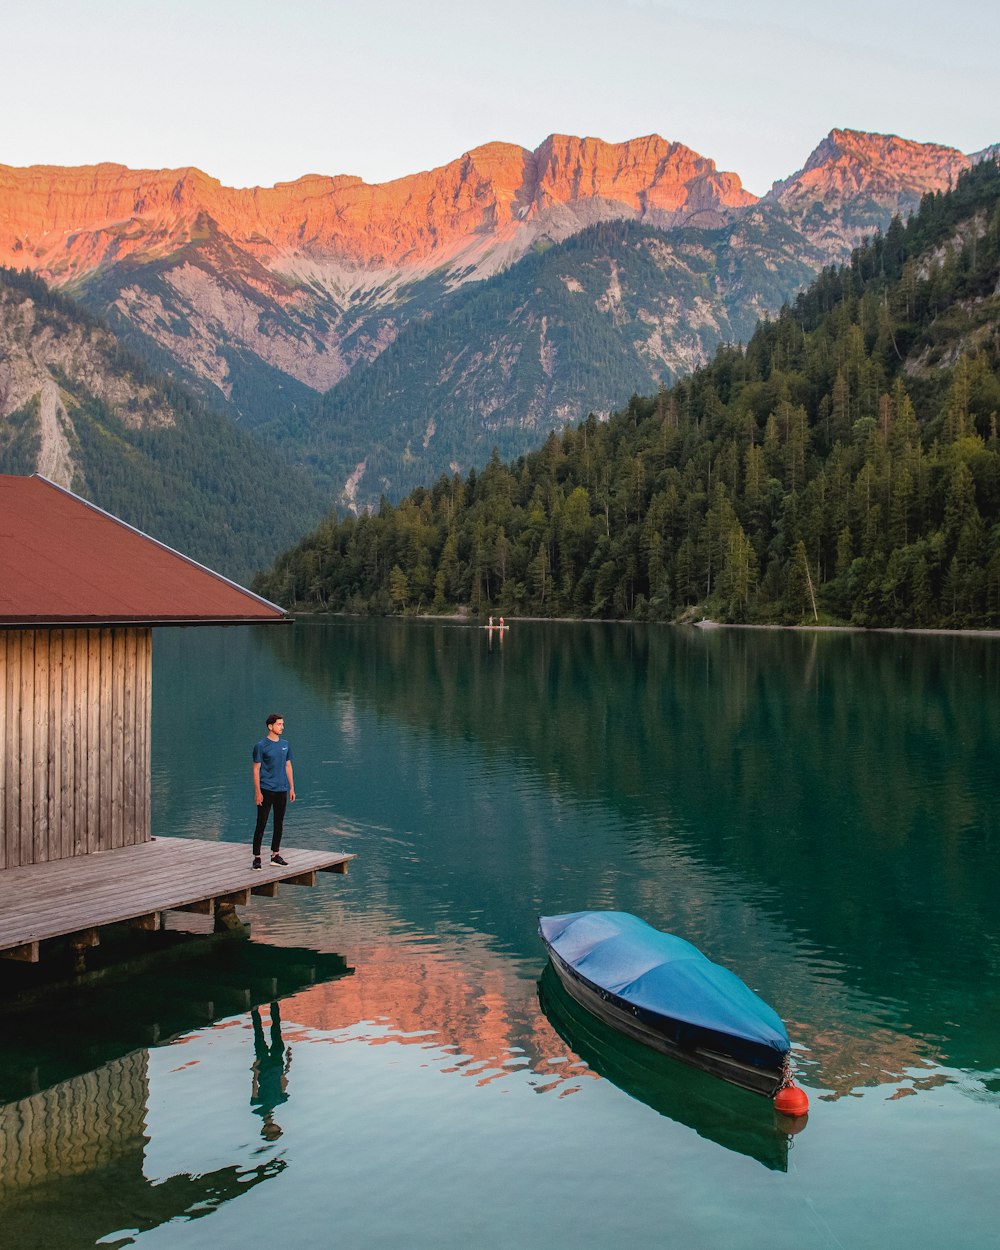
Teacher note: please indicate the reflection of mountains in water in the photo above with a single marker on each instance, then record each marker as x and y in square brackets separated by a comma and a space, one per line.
[75, 1091]
[775, 763]
[731, 1117]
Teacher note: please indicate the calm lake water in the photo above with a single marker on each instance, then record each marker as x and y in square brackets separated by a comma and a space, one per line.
[817, 811]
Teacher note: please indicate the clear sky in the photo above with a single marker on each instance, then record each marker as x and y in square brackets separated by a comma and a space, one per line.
[261, 91]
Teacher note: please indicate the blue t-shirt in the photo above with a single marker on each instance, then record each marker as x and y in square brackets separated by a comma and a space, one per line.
[271, 757]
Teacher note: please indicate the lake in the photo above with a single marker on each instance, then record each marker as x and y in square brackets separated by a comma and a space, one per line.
[817, 811]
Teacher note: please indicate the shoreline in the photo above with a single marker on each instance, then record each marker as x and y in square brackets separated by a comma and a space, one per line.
[458, 618]
[856, 629]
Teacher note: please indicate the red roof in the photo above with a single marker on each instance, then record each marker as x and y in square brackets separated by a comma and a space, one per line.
[65, 562]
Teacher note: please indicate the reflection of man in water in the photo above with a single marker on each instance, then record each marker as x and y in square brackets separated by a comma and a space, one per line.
[270, 1072]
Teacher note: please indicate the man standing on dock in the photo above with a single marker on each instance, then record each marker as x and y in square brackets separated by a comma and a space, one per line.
[273, 786]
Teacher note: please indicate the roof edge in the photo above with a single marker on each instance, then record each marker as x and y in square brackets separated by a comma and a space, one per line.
[134, 622]
[283, 614]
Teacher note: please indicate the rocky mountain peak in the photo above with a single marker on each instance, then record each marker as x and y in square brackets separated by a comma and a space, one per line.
[655, 179]
[854, 181]
[853, 162]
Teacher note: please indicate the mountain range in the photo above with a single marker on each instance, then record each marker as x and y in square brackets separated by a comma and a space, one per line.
[842, 467]
[381, 335]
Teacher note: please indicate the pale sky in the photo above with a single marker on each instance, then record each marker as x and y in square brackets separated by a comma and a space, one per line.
[255, 93]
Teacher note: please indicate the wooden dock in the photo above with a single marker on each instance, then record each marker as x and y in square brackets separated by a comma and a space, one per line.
[75, 897]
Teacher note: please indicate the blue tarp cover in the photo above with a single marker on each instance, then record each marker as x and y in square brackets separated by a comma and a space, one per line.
[663, 974]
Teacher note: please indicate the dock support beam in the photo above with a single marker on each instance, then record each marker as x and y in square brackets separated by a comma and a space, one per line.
[26, 953]
[79, 944]
[226, 918]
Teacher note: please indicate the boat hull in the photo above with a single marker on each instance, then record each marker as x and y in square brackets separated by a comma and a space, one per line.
[716, 1110]
[661, 1033]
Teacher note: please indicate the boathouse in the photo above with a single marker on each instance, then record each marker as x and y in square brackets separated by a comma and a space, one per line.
[80, 594]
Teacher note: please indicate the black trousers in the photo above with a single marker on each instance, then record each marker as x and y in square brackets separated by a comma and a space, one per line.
[277, 799]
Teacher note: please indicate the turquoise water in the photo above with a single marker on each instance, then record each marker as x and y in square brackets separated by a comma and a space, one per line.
[817, 811]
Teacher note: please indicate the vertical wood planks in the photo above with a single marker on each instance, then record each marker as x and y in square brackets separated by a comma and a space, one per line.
[26, 748]
[40, 760]
[114, 677]
[92, 773]
[67, 703]
[6, 747]
[128, 737]
[74, 722]
[12, 751]
[144, 721]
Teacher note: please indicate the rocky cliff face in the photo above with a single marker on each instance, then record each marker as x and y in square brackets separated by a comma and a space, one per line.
[853, 183]
[304, 280]
[77, 408]
[36, 349]
[65, 223]
[261, 298]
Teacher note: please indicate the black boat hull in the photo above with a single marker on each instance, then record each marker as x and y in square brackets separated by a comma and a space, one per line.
[660, 1033]
[716, 1110]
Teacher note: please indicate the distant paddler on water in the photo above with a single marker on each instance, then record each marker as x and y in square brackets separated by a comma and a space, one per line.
[491, 626]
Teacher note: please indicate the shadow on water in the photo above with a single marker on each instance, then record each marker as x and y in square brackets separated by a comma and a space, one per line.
[75, 1090]
[187, 983]
[731, 1117]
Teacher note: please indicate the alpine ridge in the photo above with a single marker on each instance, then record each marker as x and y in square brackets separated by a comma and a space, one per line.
[66, 222]
[266, 301]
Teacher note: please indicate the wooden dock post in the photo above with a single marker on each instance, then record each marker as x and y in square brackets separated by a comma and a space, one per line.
[79, 943]
[226, 918]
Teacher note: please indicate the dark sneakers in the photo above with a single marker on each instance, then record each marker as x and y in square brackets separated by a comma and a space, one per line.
[276, 859]
[256, 862]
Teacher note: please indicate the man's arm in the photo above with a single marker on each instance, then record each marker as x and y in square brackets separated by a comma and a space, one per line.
[258, 798]
[291, 781]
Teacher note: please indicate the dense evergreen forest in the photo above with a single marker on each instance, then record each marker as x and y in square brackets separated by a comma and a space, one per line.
[844, 466]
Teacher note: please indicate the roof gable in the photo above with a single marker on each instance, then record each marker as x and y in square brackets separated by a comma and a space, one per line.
[64, 561]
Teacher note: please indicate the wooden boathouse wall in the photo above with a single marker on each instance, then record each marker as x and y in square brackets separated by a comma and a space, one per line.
[75, 726]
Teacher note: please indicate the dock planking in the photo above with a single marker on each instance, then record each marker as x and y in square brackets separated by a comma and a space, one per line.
[135, 884]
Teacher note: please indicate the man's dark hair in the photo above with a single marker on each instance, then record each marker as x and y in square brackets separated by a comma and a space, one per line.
[272, 718]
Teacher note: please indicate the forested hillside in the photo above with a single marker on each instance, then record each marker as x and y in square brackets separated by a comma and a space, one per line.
[82, 409]
[844, 466]
[569, 329]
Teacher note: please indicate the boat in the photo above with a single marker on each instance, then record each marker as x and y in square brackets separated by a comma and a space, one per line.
[662, 991]
[716, 1110]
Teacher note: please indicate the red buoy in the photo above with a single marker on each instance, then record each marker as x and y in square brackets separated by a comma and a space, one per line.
[791, 1100]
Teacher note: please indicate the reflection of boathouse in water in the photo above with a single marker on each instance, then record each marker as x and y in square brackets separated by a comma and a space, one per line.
[80, 593]
[70, 1130]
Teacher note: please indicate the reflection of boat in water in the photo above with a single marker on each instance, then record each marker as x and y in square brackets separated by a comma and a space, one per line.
[660, 990]
[719, 1112]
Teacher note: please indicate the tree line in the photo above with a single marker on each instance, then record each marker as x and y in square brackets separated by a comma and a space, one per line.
[843, 466]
